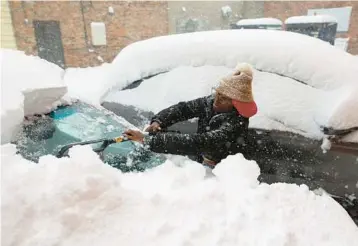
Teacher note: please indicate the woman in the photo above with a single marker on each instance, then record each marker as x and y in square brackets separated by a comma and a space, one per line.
[222, 127]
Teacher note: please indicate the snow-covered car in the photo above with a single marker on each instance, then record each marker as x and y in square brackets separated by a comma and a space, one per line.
[306, 130]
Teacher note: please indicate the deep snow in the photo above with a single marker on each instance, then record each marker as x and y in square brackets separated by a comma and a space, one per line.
[28, 85]
[283, 103]
[81, 201]
[88, 84]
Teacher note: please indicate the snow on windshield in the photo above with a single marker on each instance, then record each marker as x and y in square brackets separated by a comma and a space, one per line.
[81, 201]
[304, 112]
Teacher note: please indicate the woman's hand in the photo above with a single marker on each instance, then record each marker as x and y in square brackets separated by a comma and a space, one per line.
[134, 135]
[154, 127]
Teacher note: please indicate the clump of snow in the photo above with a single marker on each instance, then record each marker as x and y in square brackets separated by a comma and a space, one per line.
[341, 43]
[259, 21]
[168, 205]
[344, 113]
[88, 84]
[326, 145]
[311, 19]
[29, 85]
[99, 58]
[286, 53]
[12, 114]
[283, 103]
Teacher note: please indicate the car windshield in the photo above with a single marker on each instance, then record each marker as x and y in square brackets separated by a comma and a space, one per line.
[46, 134]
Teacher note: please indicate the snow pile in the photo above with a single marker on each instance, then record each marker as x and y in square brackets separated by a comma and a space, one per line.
[303, 113]
[181, 84]
[88, 84]
[259, 21]
[29, 85]
[168, 205]
[311, 19]
[293, 55]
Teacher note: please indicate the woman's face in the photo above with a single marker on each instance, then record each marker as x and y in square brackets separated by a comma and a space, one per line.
[222, 103]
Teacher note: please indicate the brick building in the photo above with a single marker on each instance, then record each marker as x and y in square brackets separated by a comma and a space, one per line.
[61, 31]
[284, 9]
[88, 33]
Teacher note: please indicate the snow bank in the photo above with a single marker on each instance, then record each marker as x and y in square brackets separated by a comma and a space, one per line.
[88, 84]
[181, 84]
[259, 21]
[29, 85]
[311, 19]
[293, 55]
[284, 104]
[168, 205]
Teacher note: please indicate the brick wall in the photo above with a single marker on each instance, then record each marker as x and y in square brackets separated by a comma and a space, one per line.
[284, 9]
[131, 21]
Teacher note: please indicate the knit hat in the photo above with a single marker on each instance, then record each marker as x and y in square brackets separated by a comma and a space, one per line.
[238, 87]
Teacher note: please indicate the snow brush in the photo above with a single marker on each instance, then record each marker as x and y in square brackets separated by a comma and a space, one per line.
[105, 143]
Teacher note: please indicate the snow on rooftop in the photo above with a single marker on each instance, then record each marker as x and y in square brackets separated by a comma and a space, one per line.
[259, 21]
[311, 19]
[81, 201]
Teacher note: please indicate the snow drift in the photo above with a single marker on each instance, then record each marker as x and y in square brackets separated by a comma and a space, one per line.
[168, 205]
[283, 103]
[301, 83]
[29, 85]
[88, 84]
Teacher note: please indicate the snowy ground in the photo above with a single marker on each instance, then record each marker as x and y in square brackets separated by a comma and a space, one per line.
[81, 201]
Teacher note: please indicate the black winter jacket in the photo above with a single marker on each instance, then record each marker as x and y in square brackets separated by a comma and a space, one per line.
[218, 134]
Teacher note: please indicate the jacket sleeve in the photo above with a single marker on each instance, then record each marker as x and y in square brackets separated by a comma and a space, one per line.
[190, 144]
[180, 112]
